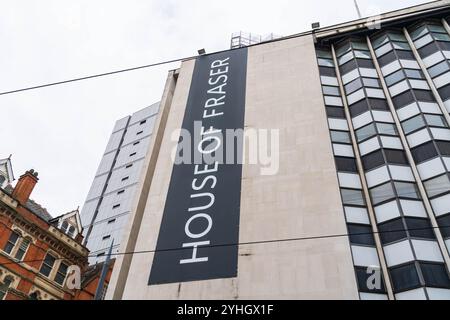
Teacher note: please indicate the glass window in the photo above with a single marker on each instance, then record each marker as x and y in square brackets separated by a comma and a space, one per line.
[11, 242]
[441, 37]
[61, 273]
[413, 124]
[22, 249]
[429, 49]
[423, 41]
[391, 231]
[424, 152]
[64, 226]
[382, 193]
[435, 120]
[47, 265]
[387, 58]
[377, 42]
[438, 69]
[328, 90]
[394, 77]
[397, 36]
[360, 45]
[407, 190]
[327, 71]
[371, 82]
[343, 49]
[437, 185]
[340, 136]
[403, 99]
[435, 275]
[436, 28]
[419, 32]
[413, 74]
[444, 92]
[404, 277]
[401, 45]
[373, 160]
[444, 147]
[359, 108]
[345, 58]
[352, 197]
[324, 54]
[362, 54]
[360, 234]
[353, 86]
[383, 49]
[346, 164]
[325, 62]
[4, 287]
[396, 156]
[444, 225]
[386, 128]
[420, 228]
[335, 112]
[365, 132]
[378, 104]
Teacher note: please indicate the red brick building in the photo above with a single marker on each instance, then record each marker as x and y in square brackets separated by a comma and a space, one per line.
[39, 252]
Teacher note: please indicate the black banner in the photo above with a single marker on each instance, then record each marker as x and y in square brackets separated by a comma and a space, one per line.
[200, 226]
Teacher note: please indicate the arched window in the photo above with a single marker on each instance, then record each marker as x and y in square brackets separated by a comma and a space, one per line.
[71, 231]
[5, 286]
[64, 226]
[12, 242]
[35, 296]
[20, 254]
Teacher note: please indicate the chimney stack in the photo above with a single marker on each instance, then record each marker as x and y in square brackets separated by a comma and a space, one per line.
[25, 186]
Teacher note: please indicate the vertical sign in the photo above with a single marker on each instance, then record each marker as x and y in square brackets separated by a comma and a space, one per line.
[199, 231]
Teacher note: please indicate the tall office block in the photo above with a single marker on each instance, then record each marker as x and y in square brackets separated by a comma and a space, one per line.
[108, 204]
[359, 204]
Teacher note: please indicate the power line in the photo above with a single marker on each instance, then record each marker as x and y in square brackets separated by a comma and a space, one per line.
[249, 243]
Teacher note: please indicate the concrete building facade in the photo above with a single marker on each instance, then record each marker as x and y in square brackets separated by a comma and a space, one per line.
[362, 186]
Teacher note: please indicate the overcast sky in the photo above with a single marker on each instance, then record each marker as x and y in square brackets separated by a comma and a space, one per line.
[62, 131]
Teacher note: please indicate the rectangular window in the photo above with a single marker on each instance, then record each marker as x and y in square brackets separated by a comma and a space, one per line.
[352, 197]
[363, 276]
[391, 231]
[395, 156]
[359, 108]
[394, 77]
[373, 160]
[47, 265]
[435, 275]
[22, 249]
[437, 185]
[414, 74]
[61, 273]
[346, 164]
[360, 234]
[420, 228]
[382, 193]
[435, 120]
[340, 136]
[439, 69]
[142, 122]
[335, 112]
[353, 86]
[444, 147]
[407, 190]
[11, 242]
[404, 277]
[329, 90]
[424, 152]
[365, 132]
[4, 288]
[386, 128]
[413, 124]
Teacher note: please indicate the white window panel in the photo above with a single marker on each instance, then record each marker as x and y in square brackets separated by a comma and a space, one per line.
[408, 111]
[423, 41]
[398, 253]
[350, 76]
[329, 81]
[369, 146]
[413, 208]
[402, 173]
[442, 80]
[382, 116]
[356, 215]
[365, 256]
[427, 250]
[362, 120]
[415, 294]
[419, 84]
[409, 64]
[368, 72]
[338, 124]
[447, 162]
[356, 96]
[343, 150]
[440, 134]
[441, 205]
[430, 107]
[375, 93]
[446, 54]
[345, 58]
[377, 176]
[387, 211]
[418, 137]
[383, 49]
[390, 68]
[333, 101]
[372, 296]
[447, 104]
[398, 88]
[349, 180]
[432, 59]
[391, 142]
[430, 168]
[438, 294]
